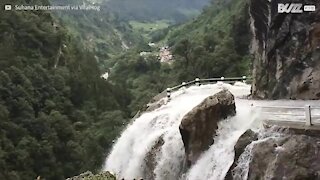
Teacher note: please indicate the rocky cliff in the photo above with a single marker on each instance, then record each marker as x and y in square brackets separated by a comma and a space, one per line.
[290, 157]
[286, 51]
[199, 126]
[278, 155]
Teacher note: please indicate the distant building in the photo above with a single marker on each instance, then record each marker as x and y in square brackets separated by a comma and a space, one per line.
[165, 55]
[143, 53]
[152, 44]
[105, 76]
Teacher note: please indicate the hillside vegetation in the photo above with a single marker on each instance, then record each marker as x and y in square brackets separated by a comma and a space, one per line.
[57, 116]
[214, 44]
[102, 32]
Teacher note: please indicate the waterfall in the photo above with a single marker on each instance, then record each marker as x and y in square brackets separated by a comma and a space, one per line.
[215, 163]
[154, 136]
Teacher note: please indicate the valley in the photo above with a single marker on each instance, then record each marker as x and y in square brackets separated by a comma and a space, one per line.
[87, 90]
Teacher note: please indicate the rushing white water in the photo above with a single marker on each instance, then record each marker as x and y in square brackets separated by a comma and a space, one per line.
[128, 157]
[215, 163]
[241, 171]
[152, 142]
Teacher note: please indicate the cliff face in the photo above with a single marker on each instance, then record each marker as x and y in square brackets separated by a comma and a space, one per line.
[276, 155]
[286, 50]
[293, 157]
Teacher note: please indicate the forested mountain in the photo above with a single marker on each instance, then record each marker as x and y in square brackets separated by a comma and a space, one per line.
[151, 10]
[214, 44]
[143, 77]
[102, 32]
[57, 116]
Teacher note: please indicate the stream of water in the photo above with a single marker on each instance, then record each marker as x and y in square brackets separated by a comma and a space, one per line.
[151, 146]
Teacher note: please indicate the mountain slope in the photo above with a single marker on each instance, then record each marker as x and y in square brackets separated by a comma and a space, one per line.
[57, 116]
[286, 50]
[214, 44]
[102, 32]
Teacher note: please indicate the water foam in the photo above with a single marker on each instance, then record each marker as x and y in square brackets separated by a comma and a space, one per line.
[215, 163]
[241, 171]
[128, 156]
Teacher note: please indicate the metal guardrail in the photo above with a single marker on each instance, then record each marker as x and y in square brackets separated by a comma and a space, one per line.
[305, 115]
[199, 81]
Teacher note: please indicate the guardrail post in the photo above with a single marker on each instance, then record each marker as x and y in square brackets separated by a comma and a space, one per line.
[308, 115]
[197, 80]
[168, 93]
[244, 79]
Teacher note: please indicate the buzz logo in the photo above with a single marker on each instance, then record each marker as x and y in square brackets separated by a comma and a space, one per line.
[294, 8]
[290, 8]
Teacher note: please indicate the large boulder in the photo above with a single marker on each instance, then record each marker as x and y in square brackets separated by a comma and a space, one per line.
[286, 51]
[245, 139]
[294, 157]
[90, 176]
[198, 127]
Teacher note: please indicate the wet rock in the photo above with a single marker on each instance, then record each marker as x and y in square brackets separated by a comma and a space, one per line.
[150, 159]
[286, 51]
[198, 127]
[244, 140]
[294, 157]
[90, 176]
[155, 103]
[81, 176]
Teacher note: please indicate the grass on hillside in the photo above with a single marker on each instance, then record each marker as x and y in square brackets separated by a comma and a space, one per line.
[145, 28]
